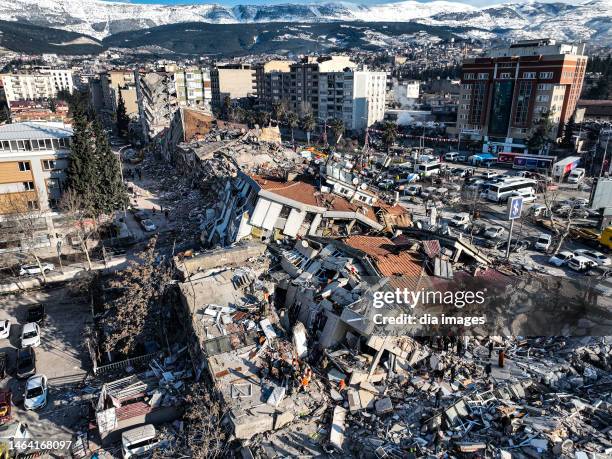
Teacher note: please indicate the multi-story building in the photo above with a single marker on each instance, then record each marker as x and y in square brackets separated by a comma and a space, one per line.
[157, 101]
[32, 110]
[504, 95]
[33, 160]
[235, 81]
[115, 82]
[357, 97]
[273, 82]
[193, 86]
[42, 83]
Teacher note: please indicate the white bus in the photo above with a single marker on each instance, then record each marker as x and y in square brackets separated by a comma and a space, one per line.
[501, 191]
[429, 168]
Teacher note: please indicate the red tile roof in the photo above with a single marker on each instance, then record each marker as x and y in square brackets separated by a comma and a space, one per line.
[388, 259]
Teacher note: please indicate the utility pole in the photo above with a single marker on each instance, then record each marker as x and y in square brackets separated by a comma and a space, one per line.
[603, 160]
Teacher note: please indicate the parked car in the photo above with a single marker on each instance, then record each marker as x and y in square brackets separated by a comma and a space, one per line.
[515, 246]
[36, 392]
[527, 197]
[462, 157]
[6, 397]
[576, 175]
[139, 440]
[386, 184]
[26, 362]
[488, 175]
[543, 242]
[451, 156]
[35, 269]
[493, 232]
[30, 335]
[561, 258]
[594, 255]
[5, 329]
[460, 220]
[148, 225]
[36, 314]
[412, 190]
[581, 263]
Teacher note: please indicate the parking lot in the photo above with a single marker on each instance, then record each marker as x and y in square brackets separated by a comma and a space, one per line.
[61, 357]
[494, 215]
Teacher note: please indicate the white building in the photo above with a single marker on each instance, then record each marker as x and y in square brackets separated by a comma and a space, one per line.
[39, 84]
[357, 97]
[193, 86]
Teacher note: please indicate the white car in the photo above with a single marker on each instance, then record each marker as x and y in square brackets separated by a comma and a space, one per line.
[148, 225]
[543, 242]
[594, 255]
[30, 335]
[36, 392]
[460, 220]
[494, 232]
[561, 258]
[581, 264]
[35, 269]
[5, 329]
[489, 174]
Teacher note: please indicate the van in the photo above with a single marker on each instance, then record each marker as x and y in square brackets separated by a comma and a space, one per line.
[581, 263]
[451, 156]
[576, 175]
[137, 441]
[412, 190]
[428, 169]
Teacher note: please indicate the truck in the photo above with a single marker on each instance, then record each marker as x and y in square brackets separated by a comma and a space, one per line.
[602, 240]
[561, 168]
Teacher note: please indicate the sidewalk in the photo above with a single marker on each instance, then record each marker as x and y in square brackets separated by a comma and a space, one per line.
[69, 272]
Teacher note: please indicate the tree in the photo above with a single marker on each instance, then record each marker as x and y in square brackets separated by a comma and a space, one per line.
[23, 211]
[82, 228]
[308, 124]
[337, 127]
[568, 133]
[540, 136]
[111, 195]
[279, 110]
[292, 121]
[227, 109]
[136, 315]
[262, 118]
[82, 173]
[123, 120]
[52, 105]
[389, 134]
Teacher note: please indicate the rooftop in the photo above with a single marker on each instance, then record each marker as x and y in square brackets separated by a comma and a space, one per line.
[33, 130]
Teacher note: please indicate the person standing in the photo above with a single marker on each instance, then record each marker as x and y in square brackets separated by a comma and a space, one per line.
[490, 348]
[501, 357]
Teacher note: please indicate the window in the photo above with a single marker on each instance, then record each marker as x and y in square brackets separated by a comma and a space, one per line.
[529, 75]
[29, 186]
[542, 98]
[24, 166]
[546, 75]
[52, 183]
[468, 76]
[504, 75]
[48, 164]
[33, 205]
[483, 76]
[545, 87]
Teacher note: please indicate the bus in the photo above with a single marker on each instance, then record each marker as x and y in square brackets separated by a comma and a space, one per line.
[501, 191]
[427, 169]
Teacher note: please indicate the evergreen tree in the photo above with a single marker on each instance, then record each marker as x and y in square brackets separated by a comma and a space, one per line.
[111, 194]
[292, 121]
[337, 127]
[389, 134]
[568, 133]
[82, 174]
[540, 137]
[123, 121]
[52, 105]
[308, 125]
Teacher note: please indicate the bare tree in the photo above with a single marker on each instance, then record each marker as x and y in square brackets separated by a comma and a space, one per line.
[135, 316]
[561, 226]
[28, 222]
[82, 227]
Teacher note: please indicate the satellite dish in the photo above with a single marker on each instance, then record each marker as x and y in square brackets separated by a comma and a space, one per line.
[355, 181]
[363, 186]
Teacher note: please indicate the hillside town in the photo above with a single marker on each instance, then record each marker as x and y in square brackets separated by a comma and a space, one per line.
[370, 254]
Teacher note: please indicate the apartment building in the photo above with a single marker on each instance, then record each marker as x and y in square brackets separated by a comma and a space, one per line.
[115, 82]
[504, 94]
[193, 86]
[235, 81]
[273, 81]
[334, 87]
[42, 83]
[157, 101]
[33, 160]
[357, 97]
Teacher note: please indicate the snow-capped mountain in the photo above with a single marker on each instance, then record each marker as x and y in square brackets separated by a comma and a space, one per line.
[590, 20]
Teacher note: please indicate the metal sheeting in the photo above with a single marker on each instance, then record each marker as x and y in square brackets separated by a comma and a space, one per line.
[294, 222]
[272, 215]
[261, 208]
